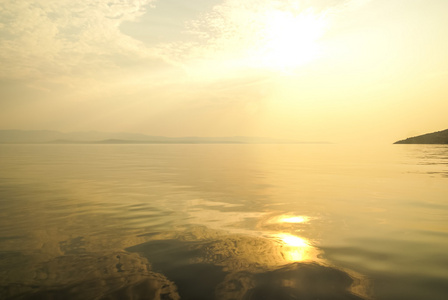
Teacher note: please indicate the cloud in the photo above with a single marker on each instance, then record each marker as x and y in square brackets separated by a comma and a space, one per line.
[82, 39]
[78, 49]
[50, 38]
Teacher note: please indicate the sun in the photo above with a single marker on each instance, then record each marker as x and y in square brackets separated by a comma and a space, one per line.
[289, 40]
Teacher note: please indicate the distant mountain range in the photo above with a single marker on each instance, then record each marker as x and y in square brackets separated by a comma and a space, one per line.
[94, 137]
[439, 137]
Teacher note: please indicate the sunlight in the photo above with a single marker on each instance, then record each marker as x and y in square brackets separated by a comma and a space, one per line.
[293, 241]
[298, 219]
[289, 219]
[295, 248]
[290, 40]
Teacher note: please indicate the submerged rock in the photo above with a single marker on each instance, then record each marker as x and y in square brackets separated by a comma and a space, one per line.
[118, 275]
[252, 268]
[293, 281]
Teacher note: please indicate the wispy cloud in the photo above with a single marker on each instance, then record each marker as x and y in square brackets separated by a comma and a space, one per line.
[50, 38]
[81, 39]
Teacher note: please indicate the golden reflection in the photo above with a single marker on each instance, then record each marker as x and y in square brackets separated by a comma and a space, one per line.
[294, 241]
[299, 219]
[290, 219]
[296, 249]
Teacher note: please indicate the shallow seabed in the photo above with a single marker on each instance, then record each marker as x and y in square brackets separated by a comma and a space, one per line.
[223, 222]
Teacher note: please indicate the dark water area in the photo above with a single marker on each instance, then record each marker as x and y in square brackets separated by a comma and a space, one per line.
[223, 222]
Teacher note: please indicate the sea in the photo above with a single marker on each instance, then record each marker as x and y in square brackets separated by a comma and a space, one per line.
[223, 221]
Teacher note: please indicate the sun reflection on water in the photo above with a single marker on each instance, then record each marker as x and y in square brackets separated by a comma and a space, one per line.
[297, 219]
[296, 249]
[293, 241]
[289, 219]
[283, 229]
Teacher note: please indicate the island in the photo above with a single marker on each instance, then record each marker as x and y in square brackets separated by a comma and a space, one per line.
[96, 137]
[439, 137]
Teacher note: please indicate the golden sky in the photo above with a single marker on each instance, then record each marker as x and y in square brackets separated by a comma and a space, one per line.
[324, 70]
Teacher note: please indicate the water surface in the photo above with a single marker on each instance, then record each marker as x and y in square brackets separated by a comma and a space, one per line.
[223, 222]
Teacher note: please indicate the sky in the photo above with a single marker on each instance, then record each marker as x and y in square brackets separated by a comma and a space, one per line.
[355, 71]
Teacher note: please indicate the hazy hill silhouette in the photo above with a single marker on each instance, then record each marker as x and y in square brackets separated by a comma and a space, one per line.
[439, 137]
[95, 137]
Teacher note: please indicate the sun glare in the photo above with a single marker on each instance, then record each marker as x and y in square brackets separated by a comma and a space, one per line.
[296, 248]
[294, 241]
[298, 219]
[289, 219]
[289, 40]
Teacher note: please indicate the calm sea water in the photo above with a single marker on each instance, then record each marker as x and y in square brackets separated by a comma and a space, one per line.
[223, 222]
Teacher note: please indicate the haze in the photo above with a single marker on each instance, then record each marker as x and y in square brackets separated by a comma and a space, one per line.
[333, 70]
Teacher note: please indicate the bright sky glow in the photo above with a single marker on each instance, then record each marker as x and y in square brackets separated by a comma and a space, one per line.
[290, 40]
[327, 70]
